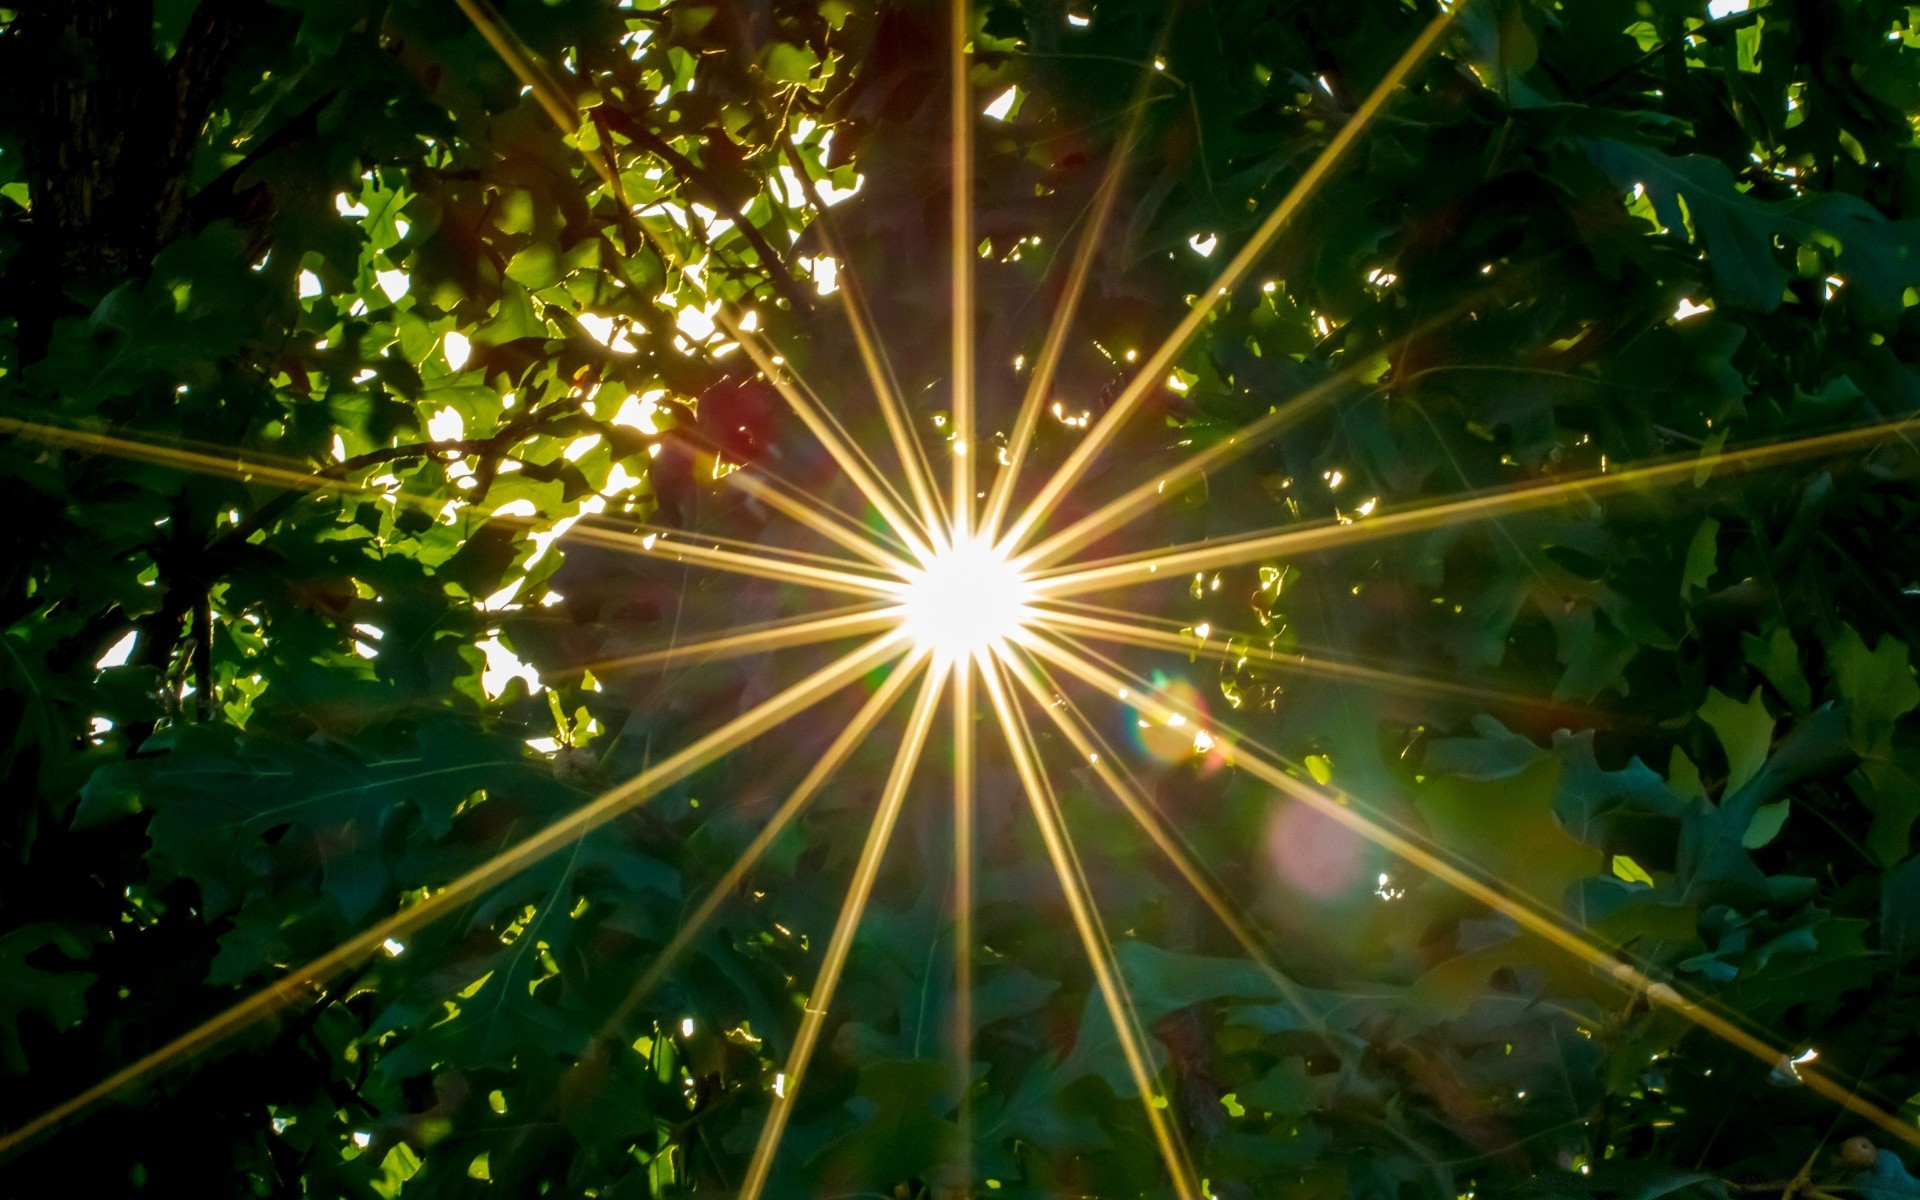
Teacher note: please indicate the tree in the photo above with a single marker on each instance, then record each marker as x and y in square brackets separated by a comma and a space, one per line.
[349, 401]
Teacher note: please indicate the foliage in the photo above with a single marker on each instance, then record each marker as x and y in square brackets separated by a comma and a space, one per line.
[338, 236]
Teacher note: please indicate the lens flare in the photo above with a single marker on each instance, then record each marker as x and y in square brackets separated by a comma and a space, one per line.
[966, 599]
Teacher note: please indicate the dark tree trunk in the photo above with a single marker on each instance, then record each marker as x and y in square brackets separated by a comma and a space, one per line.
[109, 149]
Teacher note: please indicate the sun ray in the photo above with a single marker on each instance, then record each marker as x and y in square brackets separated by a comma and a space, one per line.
[1345, 810]
[1093, 750]
[522, 62]
[1250, 436]
[298, 985]
[760, 482]
[855, 538]
[851, 910]
[1106, 976]
[1157, 364]
[232, 466]
[1260, 430]
[844, 451]
[692, 548]
[766, 561]
[873, 357]
[1047, 362]
[963, 901]
[963, 253]
[818, 419]
[1168, 483]
[1149, 566]
[784, 554]
[1166, 708]
[1229, 646]
[1077, 871]
[803, 794]
[782, 634]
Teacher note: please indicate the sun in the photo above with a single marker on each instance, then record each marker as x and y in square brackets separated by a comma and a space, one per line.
[966, 600]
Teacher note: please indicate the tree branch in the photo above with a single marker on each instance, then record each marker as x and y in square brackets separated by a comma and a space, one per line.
[773, 265]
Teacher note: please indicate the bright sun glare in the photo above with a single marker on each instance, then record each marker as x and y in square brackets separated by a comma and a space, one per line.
[966, 599]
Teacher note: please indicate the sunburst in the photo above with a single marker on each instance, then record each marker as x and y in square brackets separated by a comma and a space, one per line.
[965, 597]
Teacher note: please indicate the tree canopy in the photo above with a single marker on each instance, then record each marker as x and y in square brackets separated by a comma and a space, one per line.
[361, 361]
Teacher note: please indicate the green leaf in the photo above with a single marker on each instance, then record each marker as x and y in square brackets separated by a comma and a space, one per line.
[1694, 197]
[901, 1136]
[1284, 1091]
[1683, 777]
[1766, 824]
[786, 63]
[59, 996]
[1602, 807]
[1497, 753]
[1878, 686]
[1745, 732]
[516, 318]
[1890, 787]
[1631, 871]
[1509, 828]
[1747, 39]
[1702, 554]
[1778, 658]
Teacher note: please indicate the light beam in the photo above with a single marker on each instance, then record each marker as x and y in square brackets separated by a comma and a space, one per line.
[796, 803]
[1085, 922]
[1154, 370]
[299, 984]
[1344, 810]
[879, 836]
[962, 255]
[1308, 537]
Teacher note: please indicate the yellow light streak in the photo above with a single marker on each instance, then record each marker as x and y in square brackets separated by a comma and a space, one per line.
[1169, 482]
[855, 538]
[1093, 750]
[781, 634]
[1129, 569]
[1342, 808]
[818, 419]
[1154, 370]
[787, 554]
[1164, 706]
[796, 803]
[1227, 646]
[873, 357]
[1076, 869]
[1257, 432]
[757, 560]
[820, 422]
[300, 984]
[1047, 363]
[1106, 976]
[521, 61]
[879, 835]
[1077, 874]
[964, 747]
[691, 548]
[765, 485]
[284, 473]
[963, 252]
